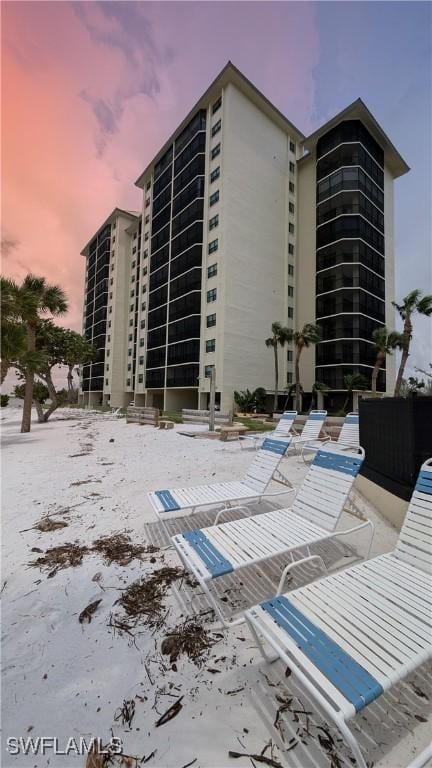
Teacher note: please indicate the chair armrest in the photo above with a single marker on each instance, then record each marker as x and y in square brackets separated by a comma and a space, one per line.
[288, 568]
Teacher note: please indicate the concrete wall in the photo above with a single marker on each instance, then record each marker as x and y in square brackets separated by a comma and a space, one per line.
[306, 263]
[253, 259]
[392, 507]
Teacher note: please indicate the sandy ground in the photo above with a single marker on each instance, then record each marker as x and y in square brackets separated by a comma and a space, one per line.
[69, 679]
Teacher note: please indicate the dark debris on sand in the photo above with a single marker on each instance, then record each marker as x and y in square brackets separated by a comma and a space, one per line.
[119, 548]
[143, 600]
[57, 558]
[189, 638]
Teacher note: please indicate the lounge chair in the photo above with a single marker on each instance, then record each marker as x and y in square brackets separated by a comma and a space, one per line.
[254, 486]
[353, 635]
[311, 430]
[283, 429]
[348, 437]
[313, 517]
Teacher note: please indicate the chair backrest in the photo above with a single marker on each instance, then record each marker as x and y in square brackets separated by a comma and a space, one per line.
[314, 424]
[349, 434]
[323, 493]
[266, 460]
[415, 539]
[285, 423]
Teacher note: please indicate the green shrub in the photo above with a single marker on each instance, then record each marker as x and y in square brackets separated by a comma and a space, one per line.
[4, 401]
[248, 402]
[40, 392]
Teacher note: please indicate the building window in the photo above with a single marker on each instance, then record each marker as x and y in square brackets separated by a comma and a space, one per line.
[143, 306]
[214, 221]
[207, 371]
[145, 255]
[212, 270]
[129, 353]
[217, 105]
[211, 321]
[142, 323]
[291, 228]
[131, 322]
[290, 248]
[290, 312]
[215, 174]
[148, 185]
[211, 295]
[146, 236]
[107, 353]
[292, 146]
[145, 271]
[291, 207]
[144, 288]
[290, 269]
[147, 219]
[110, 310]
[141, 360]
[130, 337]
[290, 290]
[109, 323]
[289, 377]
[106, 382]
[147, 202]
[129, 366]
[108, 339]
[213, 246]
[128, 382]
[210, 345]
[214, 197]
[289, 356]
[112, 281]
[215, 151]
[291, 167]
[134, 262]
[216, 128]
[140, 378]
[131, 308]
[291, 187]
[141, 342]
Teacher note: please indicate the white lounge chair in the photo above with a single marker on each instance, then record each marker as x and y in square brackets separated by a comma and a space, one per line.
[351, 636]
[311, 430]
[313, 517]
[254, 486]
[348, 437]
[283, 429]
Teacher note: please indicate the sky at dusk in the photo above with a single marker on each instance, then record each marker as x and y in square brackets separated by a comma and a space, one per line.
[90, 92]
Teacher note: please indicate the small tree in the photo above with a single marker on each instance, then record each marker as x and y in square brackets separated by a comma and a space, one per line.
[309, 334]
[77, 351]
[12, 333]
[353, 381]
[280, 336]
[385, 342]
[40, 396]
[412, 303]
[28, 302]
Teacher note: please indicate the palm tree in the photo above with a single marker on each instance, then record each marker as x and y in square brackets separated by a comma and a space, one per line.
[31, 299]
[317, 387]
[412, 303]
[309, 334]
[12, 333]
[353, 381]
[280, 335]
[385, 342]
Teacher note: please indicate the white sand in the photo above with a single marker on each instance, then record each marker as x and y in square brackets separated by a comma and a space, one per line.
[65, 679]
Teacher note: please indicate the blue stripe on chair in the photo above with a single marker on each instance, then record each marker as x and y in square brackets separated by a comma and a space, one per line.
[316, 417]
[276, 446]
[424, 482]
[351, 419]
[167, 500]
[340, 462]
[344, 672]
[216, 563]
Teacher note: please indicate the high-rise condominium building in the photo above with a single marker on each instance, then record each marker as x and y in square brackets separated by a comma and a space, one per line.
[244, 222]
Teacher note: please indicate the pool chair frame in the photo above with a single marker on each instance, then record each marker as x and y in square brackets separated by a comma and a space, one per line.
[348, 438]
[284, 428]
[382, 617]
[205, 562]
[253, 488]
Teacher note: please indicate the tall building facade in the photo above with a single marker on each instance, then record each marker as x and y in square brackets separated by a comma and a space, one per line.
[244, 221]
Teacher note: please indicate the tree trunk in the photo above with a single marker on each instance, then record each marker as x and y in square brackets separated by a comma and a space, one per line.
[29, 379]
[70, 382]
[378, 364]
[297, 376]
[52, 393]
[345, 405]
[407, 332]
[4, 369]
[276, 393]
[39, 411]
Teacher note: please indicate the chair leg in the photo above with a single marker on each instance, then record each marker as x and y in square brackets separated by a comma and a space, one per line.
[260, 642]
